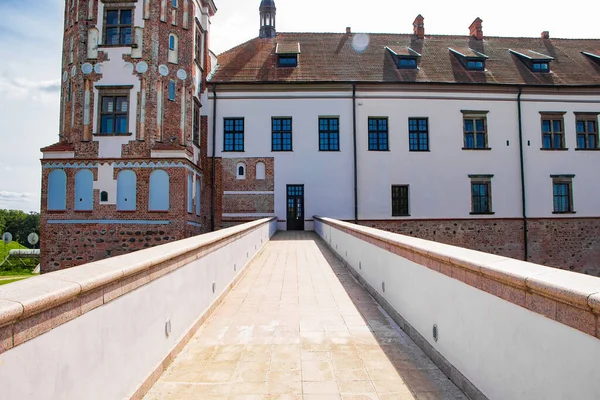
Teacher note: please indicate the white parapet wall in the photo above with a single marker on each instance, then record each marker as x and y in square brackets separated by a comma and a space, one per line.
[101, 330]
[507, 329]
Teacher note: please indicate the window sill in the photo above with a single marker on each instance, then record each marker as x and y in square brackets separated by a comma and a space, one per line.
[158, 211]
[282, 151]
[564, 212]
[399, 216]
[329, 151]
[233, 151]
[476, 148]
[379, 150]
[482, 213]
[84, 211]
[587, 149]
[56, 211]
[420, 151]
[559, 149]
[113, 134]
[127, 211]
[111, 46]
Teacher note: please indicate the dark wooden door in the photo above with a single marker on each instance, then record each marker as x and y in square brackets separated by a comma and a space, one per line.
[295, 207]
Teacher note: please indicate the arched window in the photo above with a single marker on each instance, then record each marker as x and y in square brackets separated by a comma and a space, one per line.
[84, 190]
[159, 191]
[260, 170]
[190, 193]
[57, 190]
[103, 196]
[126, 190]
[240, 170]
[173, 48]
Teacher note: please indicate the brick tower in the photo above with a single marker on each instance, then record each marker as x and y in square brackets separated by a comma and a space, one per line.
[130, 169]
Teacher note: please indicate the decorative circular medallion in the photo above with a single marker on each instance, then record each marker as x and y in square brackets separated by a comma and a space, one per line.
[87, 68]
[163, 70]
[65, 76]
[181, 74]
[73, 71]
[141, 67]
[98, 68]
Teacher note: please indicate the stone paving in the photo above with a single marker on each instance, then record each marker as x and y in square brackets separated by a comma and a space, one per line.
[299, 326]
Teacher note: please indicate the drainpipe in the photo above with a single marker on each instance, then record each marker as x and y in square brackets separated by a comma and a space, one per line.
[355, 153]
[523, 194]
[214, 146]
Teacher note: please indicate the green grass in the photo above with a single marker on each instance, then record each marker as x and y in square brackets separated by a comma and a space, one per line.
[17, 267]
[6, 281]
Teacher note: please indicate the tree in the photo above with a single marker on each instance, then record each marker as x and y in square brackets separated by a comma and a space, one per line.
[19, 224]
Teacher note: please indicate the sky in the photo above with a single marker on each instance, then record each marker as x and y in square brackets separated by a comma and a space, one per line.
[31, 45]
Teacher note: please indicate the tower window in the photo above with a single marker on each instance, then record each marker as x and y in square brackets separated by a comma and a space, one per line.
[114, 112]
[240, 170]
[400, 201]
[174, 3]
[172, 90]
[173, 48]
[118, 26]
[199, 46]
[103, 196]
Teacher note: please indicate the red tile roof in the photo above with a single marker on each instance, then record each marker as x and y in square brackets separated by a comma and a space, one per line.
[60, 146]
[339, 57]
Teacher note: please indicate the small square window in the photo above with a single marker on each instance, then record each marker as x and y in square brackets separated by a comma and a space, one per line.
[400, 201]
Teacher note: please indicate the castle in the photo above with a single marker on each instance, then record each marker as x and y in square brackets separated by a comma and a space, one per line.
[489, 143]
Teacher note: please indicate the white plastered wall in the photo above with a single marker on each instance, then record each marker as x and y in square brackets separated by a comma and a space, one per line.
[108, 352]
[506, 351]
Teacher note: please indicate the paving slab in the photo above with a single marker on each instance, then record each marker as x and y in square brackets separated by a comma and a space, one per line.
[299, 326]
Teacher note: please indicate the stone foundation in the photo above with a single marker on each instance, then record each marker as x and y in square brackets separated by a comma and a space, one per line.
[567, 243]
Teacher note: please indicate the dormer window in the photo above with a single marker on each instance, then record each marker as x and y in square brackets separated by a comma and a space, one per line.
[404, 57]
[287, 60]
[472, 60]
[540, 66]
[287, 54]
[536, 62]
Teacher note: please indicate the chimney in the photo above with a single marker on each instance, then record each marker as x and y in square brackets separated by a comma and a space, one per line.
[545, 35]
[348, 30]
[475, 30]
[419, 27]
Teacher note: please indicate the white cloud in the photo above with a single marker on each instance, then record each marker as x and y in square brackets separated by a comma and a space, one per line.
[22, 88]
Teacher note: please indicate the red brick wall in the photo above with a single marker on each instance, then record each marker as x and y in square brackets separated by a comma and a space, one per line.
[567, 243]
[248, 203]
[231, 183]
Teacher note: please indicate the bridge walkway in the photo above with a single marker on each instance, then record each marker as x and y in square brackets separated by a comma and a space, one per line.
[299, 326]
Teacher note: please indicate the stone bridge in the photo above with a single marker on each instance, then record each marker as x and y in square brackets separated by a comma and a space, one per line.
[343, 312]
